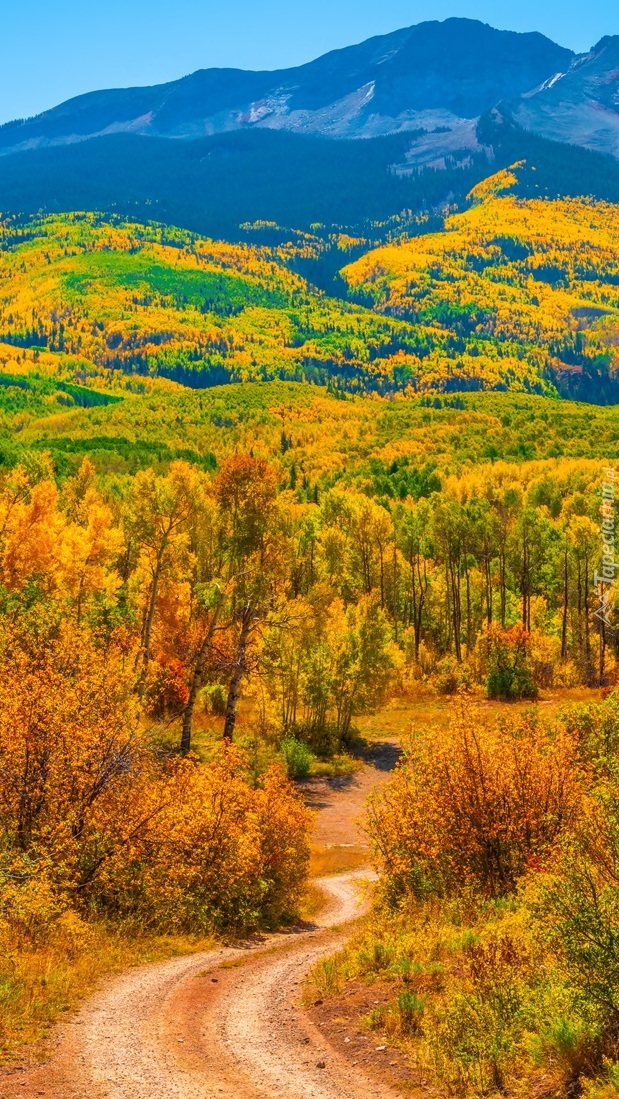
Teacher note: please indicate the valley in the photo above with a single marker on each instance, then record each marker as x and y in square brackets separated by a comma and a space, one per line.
[309, 628]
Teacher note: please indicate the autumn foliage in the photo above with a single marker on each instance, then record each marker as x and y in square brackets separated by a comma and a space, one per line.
[475, 806]
[520, 285]
[511, 294]
[491, 953]
[94, 819]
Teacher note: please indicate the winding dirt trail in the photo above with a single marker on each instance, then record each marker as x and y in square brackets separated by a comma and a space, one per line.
[226, 1024]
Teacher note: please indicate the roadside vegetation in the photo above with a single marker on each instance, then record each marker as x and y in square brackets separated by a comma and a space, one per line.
[210, 596]
[493, 938]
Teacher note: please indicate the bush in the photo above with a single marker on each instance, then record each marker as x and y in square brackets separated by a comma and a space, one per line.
[297, 757]
[93, 819]
[578, 906]
[214, 699]
[410, 1010]
[507, 656]
[219, 854]
[473, 808]
[447, 679]
[321, 740]
[474, 1034]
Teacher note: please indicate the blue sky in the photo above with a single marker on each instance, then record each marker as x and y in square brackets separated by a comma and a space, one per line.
[54, 50]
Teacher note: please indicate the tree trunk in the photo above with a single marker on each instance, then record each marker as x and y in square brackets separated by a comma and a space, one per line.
[566, 594]
[419, 589]
[488, 583]
[147, 629]
[602, 655]
[503, 584]
[239, 669]
[456, 604]
[469, 616]
[196, 681]
[589, 663]
[525, 584]
[395, 593]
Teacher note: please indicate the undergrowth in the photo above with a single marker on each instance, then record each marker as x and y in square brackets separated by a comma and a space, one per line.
[40, 982]
[493, 936]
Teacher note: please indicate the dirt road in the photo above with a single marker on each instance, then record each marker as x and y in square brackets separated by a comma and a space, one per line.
[226, 1024]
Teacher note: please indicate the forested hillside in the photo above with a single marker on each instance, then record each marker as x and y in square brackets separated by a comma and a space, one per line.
[155, 301]
[512, 294]
[534, 280]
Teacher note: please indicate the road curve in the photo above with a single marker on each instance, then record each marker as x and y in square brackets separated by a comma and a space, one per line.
[224, 1024]
[219, 1025]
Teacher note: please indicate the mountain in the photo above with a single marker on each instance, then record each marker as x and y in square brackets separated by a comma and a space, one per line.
[580, 104]
[425, 79]
[438, 106]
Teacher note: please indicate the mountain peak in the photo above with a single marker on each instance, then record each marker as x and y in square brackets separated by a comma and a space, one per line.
[582, 107]
[428, 77]
[609, 43]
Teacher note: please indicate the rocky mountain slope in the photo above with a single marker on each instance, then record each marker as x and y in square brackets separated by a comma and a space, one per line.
[425, 79]
[579, 106]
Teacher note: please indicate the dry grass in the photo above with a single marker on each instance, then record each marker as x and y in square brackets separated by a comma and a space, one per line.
[39, 984]
[341, 764]
[313, 901]
[423, 708]
[337, 859]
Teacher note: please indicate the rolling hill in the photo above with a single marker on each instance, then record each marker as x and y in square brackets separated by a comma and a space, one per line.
[514, 293]
[104, 295]
[382, 446]
[535, 278]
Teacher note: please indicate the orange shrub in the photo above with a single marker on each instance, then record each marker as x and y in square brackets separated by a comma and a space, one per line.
[93, 819]
[474, 805]
[218, 853]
